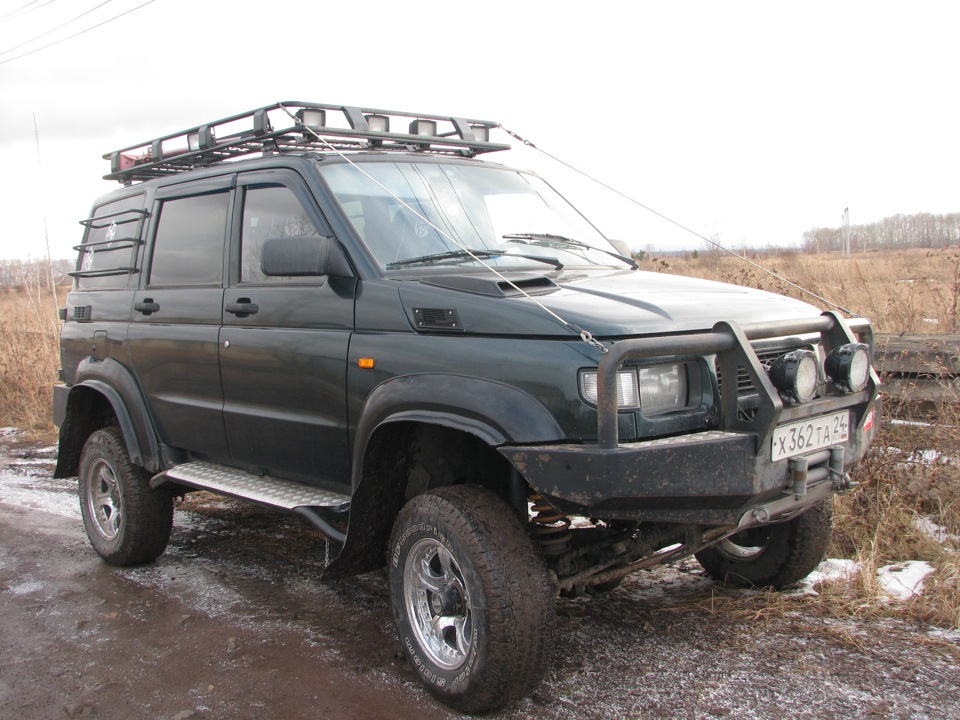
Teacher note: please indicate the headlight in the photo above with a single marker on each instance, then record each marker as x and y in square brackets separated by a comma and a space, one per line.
[849, 366]
[663, 389]
[655, 390]
[626, 388]
[795, 375]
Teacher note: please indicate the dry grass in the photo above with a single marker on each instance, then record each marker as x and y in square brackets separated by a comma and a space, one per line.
[906, 508]
[913, 291]
[911, 476]
[29, 331]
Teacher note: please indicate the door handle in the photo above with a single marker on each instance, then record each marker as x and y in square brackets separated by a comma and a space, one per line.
[242, 308]
[147, 307]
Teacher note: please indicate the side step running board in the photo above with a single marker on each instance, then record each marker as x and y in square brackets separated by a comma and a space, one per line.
[314, 504]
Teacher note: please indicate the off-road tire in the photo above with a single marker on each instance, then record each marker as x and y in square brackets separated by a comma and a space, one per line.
[127, 521]
[494, 581]
[775, 556]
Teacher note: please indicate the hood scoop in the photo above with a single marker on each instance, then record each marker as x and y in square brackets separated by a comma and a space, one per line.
[494, 287]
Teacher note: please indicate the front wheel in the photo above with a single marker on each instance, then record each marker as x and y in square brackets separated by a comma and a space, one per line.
[772, 555]
[127, 521]
[471, 597]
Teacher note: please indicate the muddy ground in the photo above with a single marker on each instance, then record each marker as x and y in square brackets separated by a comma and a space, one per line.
[233, 623]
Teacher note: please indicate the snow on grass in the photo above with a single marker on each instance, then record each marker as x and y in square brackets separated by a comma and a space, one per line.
[936, 532]
[831, 570]
[899, 581]
[903, 581]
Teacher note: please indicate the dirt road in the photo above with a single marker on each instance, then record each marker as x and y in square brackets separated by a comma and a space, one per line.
[232, 623]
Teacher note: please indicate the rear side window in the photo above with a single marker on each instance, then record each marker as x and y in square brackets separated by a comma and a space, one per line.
[269, 211]
[108, 256]
[188, 247]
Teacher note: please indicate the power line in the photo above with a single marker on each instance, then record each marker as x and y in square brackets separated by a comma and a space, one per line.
[14, 12]
[13, 15]
[4, 52]
[70, 37]
[660, 215]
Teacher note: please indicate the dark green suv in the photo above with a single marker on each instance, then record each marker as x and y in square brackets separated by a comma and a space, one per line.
[449, 371]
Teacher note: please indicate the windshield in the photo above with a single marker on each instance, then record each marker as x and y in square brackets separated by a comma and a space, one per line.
[508, 218]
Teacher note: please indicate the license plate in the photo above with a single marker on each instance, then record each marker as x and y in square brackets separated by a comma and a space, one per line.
[806, 436]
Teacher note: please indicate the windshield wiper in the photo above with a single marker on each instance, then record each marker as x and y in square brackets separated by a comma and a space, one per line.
[469, 255]
[559, 241]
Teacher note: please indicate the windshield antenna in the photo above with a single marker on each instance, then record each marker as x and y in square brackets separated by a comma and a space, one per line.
[660, 215]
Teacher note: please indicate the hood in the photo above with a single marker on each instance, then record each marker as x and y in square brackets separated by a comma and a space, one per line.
[607, 304]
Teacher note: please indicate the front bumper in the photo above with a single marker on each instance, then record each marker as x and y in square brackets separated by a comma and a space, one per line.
[720, 477]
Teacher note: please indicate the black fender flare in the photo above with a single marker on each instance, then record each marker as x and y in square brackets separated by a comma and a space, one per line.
[494, 412]
[491, 411]
[116, 384]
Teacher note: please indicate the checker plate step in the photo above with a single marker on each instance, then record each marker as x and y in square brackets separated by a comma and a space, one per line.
[263, 489]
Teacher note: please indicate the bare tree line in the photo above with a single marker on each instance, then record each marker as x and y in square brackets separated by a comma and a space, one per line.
[923, 230]
[34, 273]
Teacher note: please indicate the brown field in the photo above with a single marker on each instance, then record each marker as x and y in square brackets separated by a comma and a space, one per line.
[29, 329]
[912, 291]
[902, 481]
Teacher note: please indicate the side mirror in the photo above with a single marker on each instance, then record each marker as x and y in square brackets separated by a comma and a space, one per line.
[304, 256]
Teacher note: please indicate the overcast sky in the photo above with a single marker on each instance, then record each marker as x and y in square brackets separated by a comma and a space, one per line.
[751, 121]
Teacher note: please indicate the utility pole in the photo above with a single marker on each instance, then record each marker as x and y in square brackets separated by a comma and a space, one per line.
[846, 231]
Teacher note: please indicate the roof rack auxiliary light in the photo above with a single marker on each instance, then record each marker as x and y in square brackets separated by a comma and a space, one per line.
[423, 127]
[378, 123]
[481, 133]
[313, 118]
[299, 127]
[204, 139]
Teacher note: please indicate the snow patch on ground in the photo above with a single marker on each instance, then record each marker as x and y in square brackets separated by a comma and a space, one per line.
[830, 570]
[921, 457]
[26, 480]
[908, 423]
[899, 581]
[903, 581]
[26, 588]
[55, 503]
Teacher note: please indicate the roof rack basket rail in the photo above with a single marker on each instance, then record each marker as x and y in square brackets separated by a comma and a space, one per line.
[299, 126]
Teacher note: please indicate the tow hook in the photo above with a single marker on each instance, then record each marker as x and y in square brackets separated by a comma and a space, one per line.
[841, 480]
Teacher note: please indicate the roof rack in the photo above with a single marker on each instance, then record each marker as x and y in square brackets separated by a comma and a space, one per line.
[291, 126]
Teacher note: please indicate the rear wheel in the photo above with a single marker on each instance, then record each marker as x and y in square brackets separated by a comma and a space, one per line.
[471, 597]
[127, 521]
[772, 555]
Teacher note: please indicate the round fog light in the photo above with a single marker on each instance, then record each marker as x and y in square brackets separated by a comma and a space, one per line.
[795, 375]
[848, 366]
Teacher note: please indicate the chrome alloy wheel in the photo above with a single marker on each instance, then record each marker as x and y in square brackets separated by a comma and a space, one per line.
[745, 544]
[438, 604]
[103, 499]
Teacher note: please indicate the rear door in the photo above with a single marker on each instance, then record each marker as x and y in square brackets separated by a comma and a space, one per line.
[284, 341]
[173, 341]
